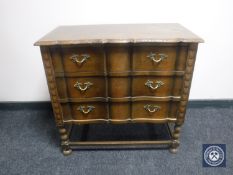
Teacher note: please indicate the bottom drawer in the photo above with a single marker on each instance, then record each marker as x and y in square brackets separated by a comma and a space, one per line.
[120, 111]
[84, 111]
[154, 110]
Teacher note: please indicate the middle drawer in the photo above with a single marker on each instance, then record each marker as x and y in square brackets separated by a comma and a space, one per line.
[119, 87]
[81, 87]
[157, 86]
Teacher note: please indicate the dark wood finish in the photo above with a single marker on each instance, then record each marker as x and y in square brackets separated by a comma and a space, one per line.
[166, 110]
[171, 87]
[99, 112]
[121, 143]
[57, 110]
[118, 57]
[66, 87]
[119, 78]
[119, 87]
[141, 62]
[119, 33]
[93, 64]
[120, 111]
[49, 71]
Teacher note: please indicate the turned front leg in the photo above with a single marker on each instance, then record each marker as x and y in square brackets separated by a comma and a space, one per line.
[66, 150]
[175, 139]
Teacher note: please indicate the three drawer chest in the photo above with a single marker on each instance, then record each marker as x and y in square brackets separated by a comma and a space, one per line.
[119, 74]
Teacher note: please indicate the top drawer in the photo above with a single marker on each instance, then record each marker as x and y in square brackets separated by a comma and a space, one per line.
[83, 58]
[159, 58]
[91, 58]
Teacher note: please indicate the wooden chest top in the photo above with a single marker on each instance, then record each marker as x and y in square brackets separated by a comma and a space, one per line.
[119, 33]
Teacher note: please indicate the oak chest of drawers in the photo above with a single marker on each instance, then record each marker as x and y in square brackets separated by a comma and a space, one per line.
[119, 74]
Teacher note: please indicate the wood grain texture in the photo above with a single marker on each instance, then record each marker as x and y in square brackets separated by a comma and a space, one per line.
[122, 99]
[140, 89]
[136, 73]
[139, 112]
[71, 111]
[141, 62]
[187, 82]
[122, 121]
[119, 33]
[114, 73]
[66, 86]
[49, 71]
[95, 62]
[57, 110]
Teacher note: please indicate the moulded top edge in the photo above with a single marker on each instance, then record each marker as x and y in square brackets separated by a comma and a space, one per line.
[119, 33]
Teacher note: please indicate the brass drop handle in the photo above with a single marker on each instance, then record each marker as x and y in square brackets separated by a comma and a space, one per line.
[157, 57]
[154, 85]
[152, 108]
[82, 86]
[85, 110]
[79, 59]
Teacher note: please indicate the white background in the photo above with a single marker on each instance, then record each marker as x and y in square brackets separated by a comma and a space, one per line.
[22, 22]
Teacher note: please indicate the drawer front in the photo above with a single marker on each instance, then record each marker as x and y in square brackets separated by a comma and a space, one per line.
[156, 86]
[82, 87]
[119, 87]
[85, 111]
[83, 59]
[158, 58]
[119, 111]
[118, 58]
[154, 110]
